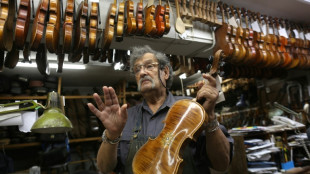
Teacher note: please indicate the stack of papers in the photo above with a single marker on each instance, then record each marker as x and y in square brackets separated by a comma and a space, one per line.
[258, 153]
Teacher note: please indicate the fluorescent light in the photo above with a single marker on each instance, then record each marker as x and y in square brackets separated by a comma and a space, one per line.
[51, 65]
[68, 66]
[117, 66]
[182, 76]
[27, 65]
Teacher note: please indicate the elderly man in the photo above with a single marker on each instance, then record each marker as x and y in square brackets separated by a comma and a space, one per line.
[128, 129]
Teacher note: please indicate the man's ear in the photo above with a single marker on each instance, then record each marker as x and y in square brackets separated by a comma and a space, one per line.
[167, 73]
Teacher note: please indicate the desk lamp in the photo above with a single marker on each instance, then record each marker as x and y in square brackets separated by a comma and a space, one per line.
[52, 120]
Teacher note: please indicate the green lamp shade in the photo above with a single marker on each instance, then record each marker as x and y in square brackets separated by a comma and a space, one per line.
[52, 121]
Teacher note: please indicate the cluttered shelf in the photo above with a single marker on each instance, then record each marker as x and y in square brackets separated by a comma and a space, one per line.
[22, 145]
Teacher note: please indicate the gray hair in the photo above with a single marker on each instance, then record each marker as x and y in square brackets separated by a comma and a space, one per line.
[163, 60]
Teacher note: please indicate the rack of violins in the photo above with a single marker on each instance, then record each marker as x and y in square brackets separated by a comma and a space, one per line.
[268, 47]
[74, 31]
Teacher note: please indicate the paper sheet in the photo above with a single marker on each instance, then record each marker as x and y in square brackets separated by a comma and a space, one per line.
[29, 117]
[11, 119]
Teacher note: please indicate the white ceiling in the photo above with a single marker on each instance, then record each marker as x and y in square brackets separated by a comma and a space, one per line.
[96, 74]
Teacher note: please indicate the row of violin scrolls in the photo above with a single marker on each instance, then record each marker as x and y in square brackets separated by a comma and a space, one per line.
[204, 11]
[244, 21]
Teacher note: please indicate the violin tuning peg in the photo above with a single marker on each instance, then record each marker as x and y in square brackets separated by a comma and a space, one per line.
[208, 67]
[211, 58]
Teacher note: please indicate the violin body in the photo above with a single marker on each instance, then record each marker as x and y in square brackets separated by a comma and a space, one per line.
[53, 26]
[38, 25]
[139, 18]
[109, 27]
[93, 26]
[68, 26]
[131, 20]
[22, 23]
[183, 122]
[167, 18]
[7, 15]
[159, 19]
[150, 24]
[80, 31]
[120, 22]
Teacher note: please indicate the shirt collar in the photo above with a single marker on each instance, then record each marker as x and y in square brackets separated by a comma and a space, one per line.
[170, 100]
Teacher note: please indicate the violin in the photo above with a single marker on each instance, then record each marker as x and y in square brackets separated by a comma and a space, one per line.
[68, 26]
[184, 121]
[250, 52]
[120, 22]
[204, 12]
[80, 31]
[109, 27]
[162, 153]
[167, 18]
[53, 26]
[7, 16]
[85, 55]
[191, 10]
[41, 60]
[259, 38]
[222, 36]
[183, 9]
[131, 20]
[208, 12]
[93, 27]
[60, 59]
[150, 24]
[12, 58]
[248, 40]
[273, 59]
[139, 18]
[239, 52]
[254, 36]
[22, 23]
[283, 41]
[199, 10]
[295, 59]
[38, 25]
[159, 19]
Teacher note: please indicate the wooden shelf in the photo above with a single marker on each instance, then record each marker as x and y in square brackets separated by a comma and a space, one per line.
[44, 97]
[33, 144]
[80, 97]
[133, 93]
[23, 97]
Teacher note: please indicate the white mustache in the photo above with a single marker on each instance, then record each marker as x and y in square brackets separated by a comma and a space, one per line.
[145, 78]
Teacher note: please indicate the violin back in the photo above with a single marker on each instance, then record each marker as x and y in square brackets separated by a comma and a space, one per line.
[163, 154]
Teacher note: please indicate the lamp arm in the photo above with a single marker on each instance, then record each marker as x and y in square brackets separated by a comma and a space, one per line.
[33, 106]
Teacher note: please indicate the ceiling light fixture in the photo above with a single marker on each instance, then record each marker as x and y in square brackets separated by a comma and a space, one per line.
[182, 76]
